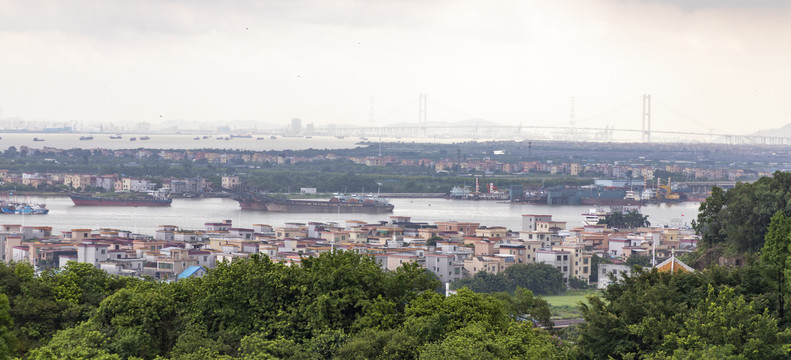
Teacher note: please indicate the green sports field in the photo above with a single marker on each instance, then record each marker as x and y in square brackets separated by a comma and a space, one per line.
[562, 300]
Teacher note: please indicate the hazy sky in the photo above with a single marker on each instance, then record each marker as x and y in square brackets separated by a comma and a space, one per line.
[710, 66]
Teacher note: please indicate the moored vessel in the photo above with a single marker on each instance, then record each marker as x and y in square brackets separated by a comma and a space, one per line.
[337, 204]
[89, 200]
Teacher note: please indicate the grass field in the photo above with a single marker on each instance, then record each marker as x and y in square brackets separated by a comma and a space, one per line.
[566, 306]
[561, 300]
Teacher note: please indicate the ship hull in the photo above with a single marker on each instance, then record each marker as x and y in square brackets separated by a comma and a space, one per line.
[600, 201]
[307, 206]
[95, 201]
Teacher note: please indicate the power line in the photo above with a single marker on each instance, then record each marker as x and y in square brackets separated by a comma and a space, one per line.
[683, 115]
[611, 111]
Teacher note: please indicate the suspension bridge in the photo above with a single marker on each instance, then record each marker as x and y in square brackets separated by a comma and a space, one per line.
[423, 129]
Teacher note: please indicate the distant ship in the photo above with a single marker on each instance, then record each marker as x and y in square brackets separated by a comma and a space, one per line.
[115, 137]
[86, 137]
[145, 138]
[337, 204]
[37, 139]
[88, 200]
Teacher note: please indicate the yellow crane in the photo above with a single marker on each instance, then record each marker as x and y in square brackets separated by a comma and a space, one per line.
[668, 195]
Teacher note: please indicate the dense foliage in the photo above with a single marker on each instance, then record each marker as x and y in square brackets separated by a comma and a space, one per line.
[338, 305]
[630, 219]
[717, 313]
[540, 278]
[739, 218]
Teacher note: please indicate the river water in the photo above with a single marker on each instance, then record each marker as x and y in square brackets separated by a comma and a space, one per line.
[182, 141]
[192, 214]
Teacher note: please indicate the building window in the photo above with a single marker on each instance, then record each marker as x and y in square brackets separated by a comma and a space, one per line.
[585, 261]
[565, 268]
[565, 257]
[559, 258]
[584, 269]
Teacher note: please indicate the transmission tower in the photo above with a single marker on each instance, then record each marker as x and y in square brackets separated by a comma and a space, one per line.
[646, 118]
[422, 120]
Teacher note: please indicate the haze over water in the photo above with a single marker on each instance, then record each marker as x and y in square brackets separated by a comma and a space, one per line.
[174, 141]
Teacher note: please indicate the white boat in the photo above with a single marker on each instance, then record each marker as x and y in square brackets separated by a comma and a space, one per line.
[593, 216]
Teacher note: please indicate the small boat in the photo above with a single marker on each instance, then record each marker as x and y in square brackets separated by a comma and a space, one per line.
[132, 139]
[37, 139]
[220, 138]
[86, 137]
[259, 138]
[145, 138]
[339, 137]
[22, 209]
[273, 137]
[117, 137]
[196, 138]
[205, 136]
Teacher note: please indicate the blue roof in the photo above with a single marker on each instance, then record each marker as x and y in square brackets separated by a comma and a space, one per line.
[190, 271]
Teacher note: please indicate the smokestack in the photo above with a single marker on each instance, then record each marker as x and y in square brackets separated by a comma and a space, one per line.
[477, 186]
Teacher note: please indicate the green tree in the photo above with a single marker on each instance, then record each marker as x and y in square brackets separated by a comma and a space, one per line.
[431, 316]
[479, 341]
[711, 218]
[540, 278]
[722, 319]
[79, 342]
[775, 259]
[630, 219]
[523, 306]
[380, 344]
[138, 321]
[7, 336]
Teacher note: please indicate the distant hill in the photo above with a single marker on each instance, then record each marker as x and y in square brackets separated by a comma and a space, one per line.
[784, 131]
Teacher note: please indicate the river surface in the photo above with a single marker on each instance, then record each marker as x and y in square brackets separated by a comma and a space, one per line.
[181, 141]
[192, 214]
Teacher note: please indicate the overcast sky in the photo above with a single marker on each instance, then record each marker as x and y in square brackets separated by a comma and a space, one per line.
[710, 66]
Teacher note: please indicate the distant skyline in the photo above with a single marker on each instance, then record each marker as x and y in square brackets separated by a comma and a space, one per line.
[709, 66]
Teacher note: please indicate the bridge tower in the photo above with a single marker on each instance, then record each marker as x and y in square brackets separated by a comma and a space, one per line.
[646, 118]
[422, 120]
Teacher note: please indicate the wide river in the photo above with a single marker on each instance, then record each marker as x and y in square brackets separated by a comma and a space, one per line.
[181, 141]
[192, 214]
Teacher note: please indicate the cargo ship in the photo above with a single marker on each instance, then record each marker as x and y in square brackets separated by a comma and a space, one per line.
[88, 200]
[337, 204]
